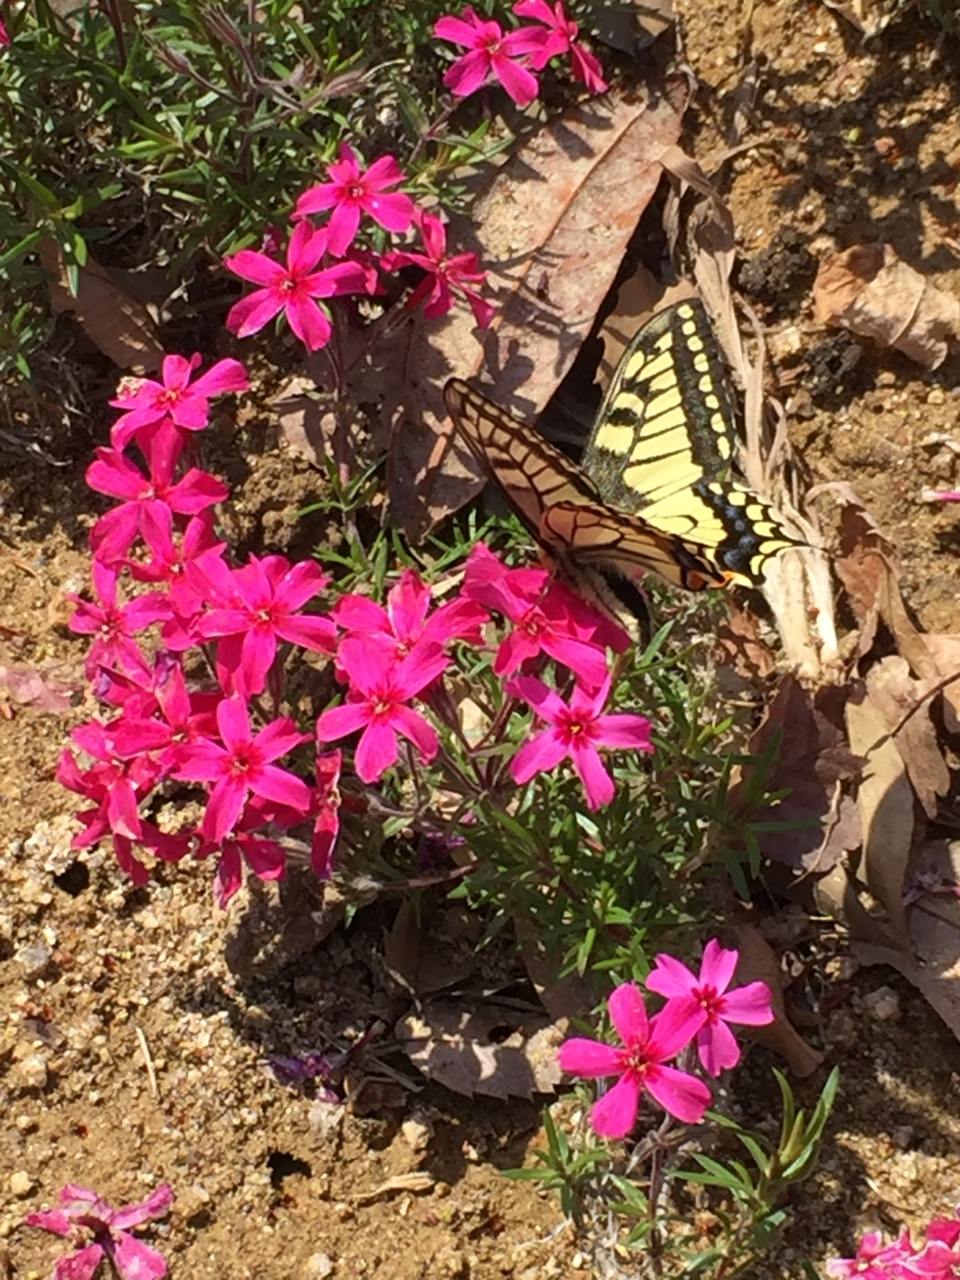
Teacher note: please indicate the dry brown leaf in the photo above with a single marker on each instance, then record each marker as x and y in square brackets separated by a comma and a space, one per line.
[885, 800]
[120, 326]
[416, 956]
[946, 654]
[812, 764]
[740, 645]
[637, 299]
[415, 1181]
[932, 963]
[868, 16]
[551, 232]
[569, 996]
[899, 697]
[630, 25]
[496, 1050]
[758, 963]
[872, 292]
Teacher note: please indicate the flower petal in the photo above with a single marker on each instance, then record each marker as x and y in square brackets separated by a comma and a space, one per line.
[615, 1114]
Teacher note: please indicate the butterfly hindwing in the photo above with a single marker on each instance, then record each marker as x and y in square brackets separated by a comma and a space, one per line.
[664, 442]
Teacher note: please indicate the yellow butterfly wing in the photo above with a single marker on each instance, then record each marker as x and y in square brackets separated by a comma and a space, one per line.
[664, 442]
[561, 507]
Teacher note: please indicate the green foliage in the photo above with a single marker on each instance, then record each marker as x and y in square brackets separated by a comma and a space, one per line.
[643, 1195]
[171, 133]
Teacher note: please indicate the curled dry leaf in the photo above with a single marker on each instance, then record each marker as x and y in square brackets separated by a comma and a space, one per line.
[885, 799]
[905, 705]
[551, 232]
[741, 646]
[496, 1049]
[118, 324]
[812, 765]
[946, 654]
[872, 292]
[32, 687]
[758, 963]
[932, 960]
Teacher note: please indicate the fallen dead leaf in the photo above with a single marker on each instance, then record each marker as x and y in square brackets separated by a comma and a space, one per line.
[496, 1049]
[946, 654]
[813, 763]
[399, 1182]
[758, 963]
[740, 645]
[415, 955]
[569, 996]
[885, 799]
[551, 232]
[31, 687]
[899, 699]
[932, 960]
[120, 326]
[872, 292]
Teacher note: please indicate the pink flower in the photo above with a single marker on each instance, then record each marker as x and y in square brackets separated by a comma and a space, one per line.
[491, 55]
[326, 806]
[707, 1001]
[266, 858]
[169, 564]
[546, 617]
[352, 191]
[114, 474]
[648, 1044]
[81, 1210]
[380, 686]
[575, 731]
[188, 406]
[405, 619]
[940, 495]
[295, 288]
[561, 38]
[255, 606]
[444, 273]
[186, 718]
[875, 1260]
[241, 766]
[114, 625]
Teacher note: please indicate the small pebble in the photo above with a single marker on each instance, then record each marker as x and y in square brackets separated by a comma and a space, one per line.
[21, 1184]
[318, 1267]
[937, 396]
[417, 1132]
[883, 1005]
[34, 960]
[31, 1072]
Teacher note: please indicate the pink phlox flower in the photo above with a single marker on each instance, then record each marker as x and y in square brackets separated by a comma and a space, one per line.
[352, 191]
[82, 1213]
[186, 404]
[243, 764]
[4, 35]
[407, 617]
[116, 787]
[876, 1260]
[490, 55]
[707, 999]
[647, 1045]
[326, 810]
[171, 556]
[114, 474]
[259, 605]
[939, 1259]
[940, 495]
[114, 625]
[185, 718]
[381, 684]
[294, 288]
[559, 38]
[545, 620]
[576, 731]
[446, 274]
[245, 844]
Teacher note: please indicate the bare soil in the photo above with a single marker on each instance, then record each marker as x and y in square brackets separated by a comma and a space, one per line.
[134, 1023]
